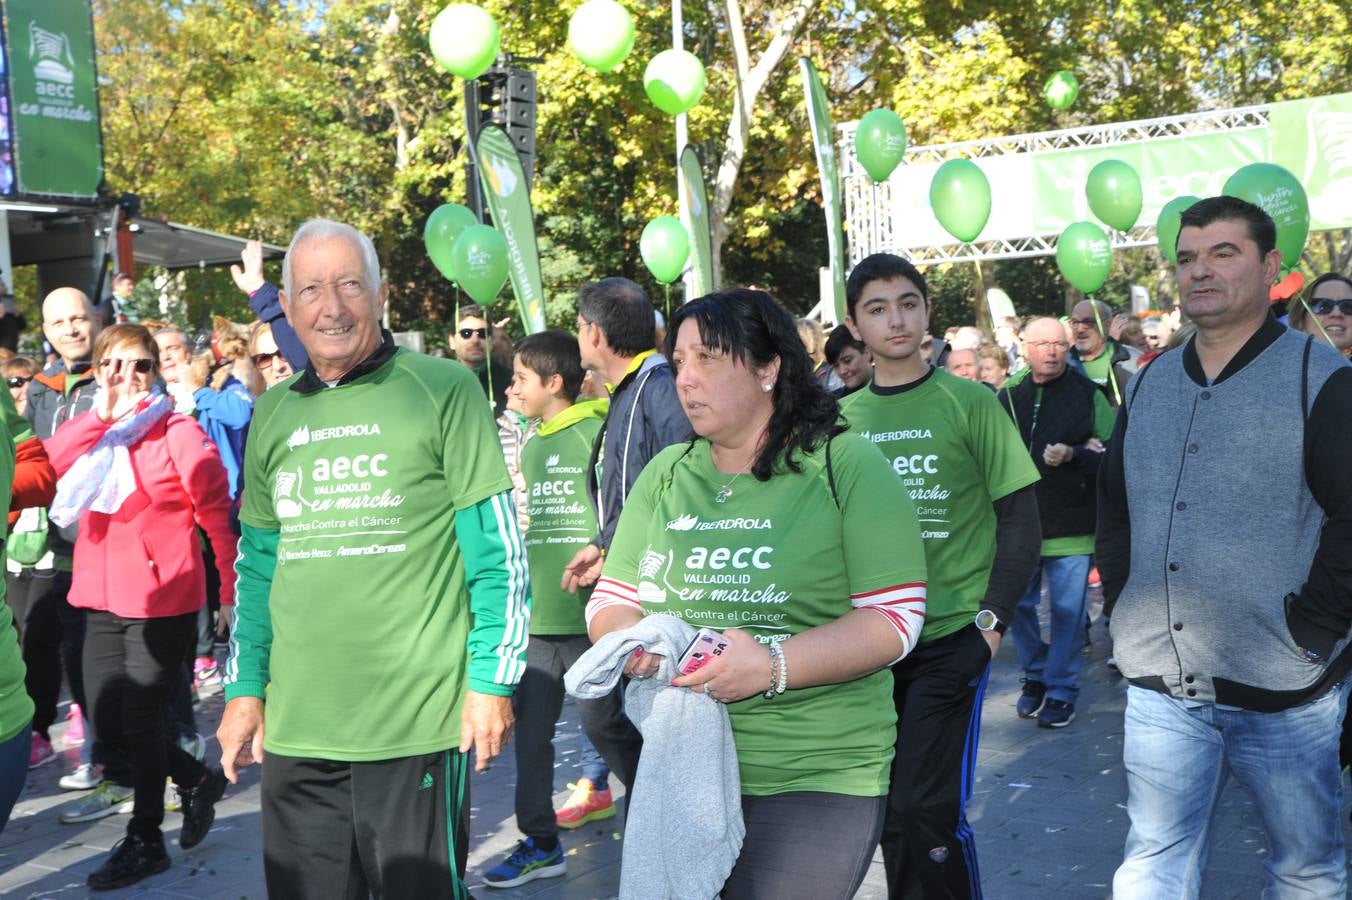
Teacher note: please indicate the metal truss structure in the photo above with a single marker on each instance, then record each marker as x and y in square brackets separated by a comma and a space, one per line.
[868, 205]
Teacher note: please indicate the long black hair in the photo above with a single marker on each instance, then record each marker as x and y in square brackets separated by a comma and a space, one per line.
[751, 327]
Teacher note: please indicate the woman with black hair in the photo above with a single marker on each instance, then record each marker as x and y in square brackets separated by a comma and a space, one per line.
[801, 546]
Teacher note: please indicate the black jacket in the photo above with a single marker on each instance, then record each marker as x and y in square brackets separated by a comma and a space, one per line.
[645, 417]
[1065, 494]
[54, 398]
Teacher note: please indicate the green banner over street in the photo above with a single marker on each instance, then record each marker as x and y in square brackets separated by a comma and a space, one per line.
[697, 221]
[819, 117]
[54, 102]
[504, 184]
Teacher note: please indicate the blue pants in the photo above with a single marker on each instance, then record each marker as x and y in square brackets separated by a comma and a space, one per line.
[13, 771]
[1055, 664]
[1177, 759]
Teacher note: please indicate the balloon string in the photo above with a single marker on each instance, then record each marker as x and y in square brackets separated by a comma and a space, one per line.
[667, 288]
[1098, 317]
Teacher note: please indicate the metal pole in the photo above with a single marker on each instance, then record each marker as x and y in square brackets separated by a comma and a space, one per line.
[677, 43]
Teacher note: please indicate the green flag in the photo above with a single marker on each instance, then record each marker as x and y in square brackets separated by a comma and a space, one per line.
[819, 117]
[504, 184]
[697, 221]
[58, 146]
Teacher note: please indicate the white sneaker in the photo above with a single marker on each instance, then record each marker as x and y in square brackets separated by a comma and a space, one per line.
[196, 745]
[172, 803]
[107, 799]
[83, 778]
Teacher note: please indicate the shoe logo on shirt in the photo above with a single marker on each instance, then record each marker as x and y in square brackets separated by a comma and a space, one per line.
[427, 781]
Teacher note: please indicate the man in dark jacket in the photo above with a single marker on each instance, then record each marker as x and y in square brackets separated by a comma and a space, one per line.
[616, 331]
[1063, 418]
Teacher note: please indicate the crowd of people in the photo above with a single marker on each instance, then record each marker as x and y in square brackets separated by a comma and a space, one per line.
[773, 564]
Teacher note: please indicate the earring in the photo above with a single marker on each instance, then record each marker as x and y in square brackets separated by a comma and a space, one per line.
[768, 387]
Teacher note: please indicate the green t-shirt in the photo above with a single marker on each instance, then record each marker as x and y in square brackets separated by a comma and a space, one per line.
[1100, 366]
[776, 558]
[16, 707]
[956, 452]
[554, 465]
[369, 606]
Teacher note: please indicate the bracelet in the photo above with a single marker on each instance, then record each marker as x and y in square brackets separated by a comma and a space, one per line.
[783, 684]
[775, 657]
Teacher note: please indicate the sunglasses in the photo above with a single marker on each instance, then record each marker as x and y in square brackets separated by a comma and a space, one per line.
[1322, 306]
[467, 333]
[143, 366]
[264, 360]
[18, 380]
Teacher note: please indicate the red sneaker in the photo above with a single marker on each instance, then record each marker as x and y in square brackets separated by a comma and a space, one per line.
[1094, 579]
[586, 804]
[75, 732]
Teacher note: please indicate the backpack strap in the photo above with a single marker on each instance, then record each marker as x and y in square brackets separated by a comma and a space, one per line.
[1305, 380]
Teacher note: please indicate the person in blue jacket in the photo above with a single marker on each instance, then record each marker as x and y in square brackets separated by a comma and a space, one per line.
[265, 303]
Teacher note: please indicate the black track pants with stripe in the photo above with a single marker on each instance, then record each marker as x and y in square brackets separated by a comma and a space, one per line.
[391, 828]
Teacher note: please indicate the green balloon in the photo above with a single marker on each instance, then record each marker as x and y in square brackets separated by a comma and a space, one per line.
[1084, 256]
[665, 247]
[674, 81]
[1061, 89]
[880, 143]
[1167, 225]
[961, 198]
[1282, 197]
[464, 40]
[1115, 194]
[443, 227]
[479, 262]
[601, 34]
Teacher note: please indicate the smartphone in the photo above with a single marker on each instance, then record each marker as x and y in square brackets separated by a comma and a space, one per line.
[707, 645]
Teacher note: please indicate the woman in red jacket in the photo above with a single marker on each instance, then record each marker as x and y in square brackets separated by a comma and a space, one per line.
[137, 476]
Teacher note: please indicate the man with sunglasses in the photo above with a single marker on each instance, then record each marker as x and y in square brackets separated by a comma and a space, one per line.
[1106, 362]
[472, 341]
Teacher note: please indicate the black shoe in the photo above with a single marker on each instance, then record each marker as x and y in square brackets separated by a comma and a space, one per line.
[199, 807]
[1034, 692]
[1056, 714]
[132, 858]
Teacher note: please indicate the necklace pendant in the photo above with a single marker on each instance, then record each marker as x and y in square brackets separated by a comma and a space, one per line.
[723, 494]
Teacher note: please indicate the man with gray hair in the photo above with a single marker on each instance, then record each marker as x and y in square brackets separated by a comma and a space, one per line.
[1227, 573]
[1106, 362]
[383, 600]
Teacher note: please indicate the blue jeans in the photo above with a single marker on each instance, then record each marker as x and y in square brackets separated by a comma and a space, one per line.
[594, 768]
[1177, 760]
[1057, 665]
[13, 771]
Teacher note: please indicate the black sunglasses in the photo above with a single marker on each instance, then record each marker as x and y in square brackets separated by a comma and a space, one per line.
[1322, 306]
[467, 333]
[18, 380]
[143, 365]
[264, 360]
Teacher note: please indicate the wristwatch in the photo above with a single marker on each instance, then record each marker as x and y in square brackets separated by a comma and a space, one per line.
[987, 621]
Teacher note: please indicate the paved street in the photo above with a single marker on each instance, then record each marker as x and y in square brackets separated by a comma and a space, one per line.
[1048, 811]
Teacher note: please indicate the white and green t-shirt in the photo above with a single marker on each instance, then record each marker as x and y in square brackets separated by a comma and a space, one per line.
[956, 452]
[372, 645]
[776, 558]
[560, 517]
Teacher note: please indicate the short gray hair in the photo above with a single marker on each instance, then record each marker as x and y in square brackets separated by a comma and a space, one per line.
[320, 229]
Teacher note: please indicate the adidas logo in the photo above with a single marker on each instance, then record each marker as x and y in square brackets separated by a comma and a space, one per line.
[299, 438]
[553, 460]
[682, 523]
[427, 781]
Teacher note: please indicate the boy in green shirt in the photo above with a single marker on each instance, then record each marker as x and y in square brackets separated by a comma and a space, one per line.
[547, 376]
[971, 480]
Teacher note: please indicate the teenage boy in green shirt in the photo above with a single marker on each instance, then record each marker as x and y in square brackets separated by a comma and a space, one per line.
[971, 479]
[547, 376]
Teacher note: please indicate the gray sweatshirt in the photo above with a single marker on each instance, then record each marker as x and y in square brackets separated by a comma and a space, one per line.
[684, 827]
